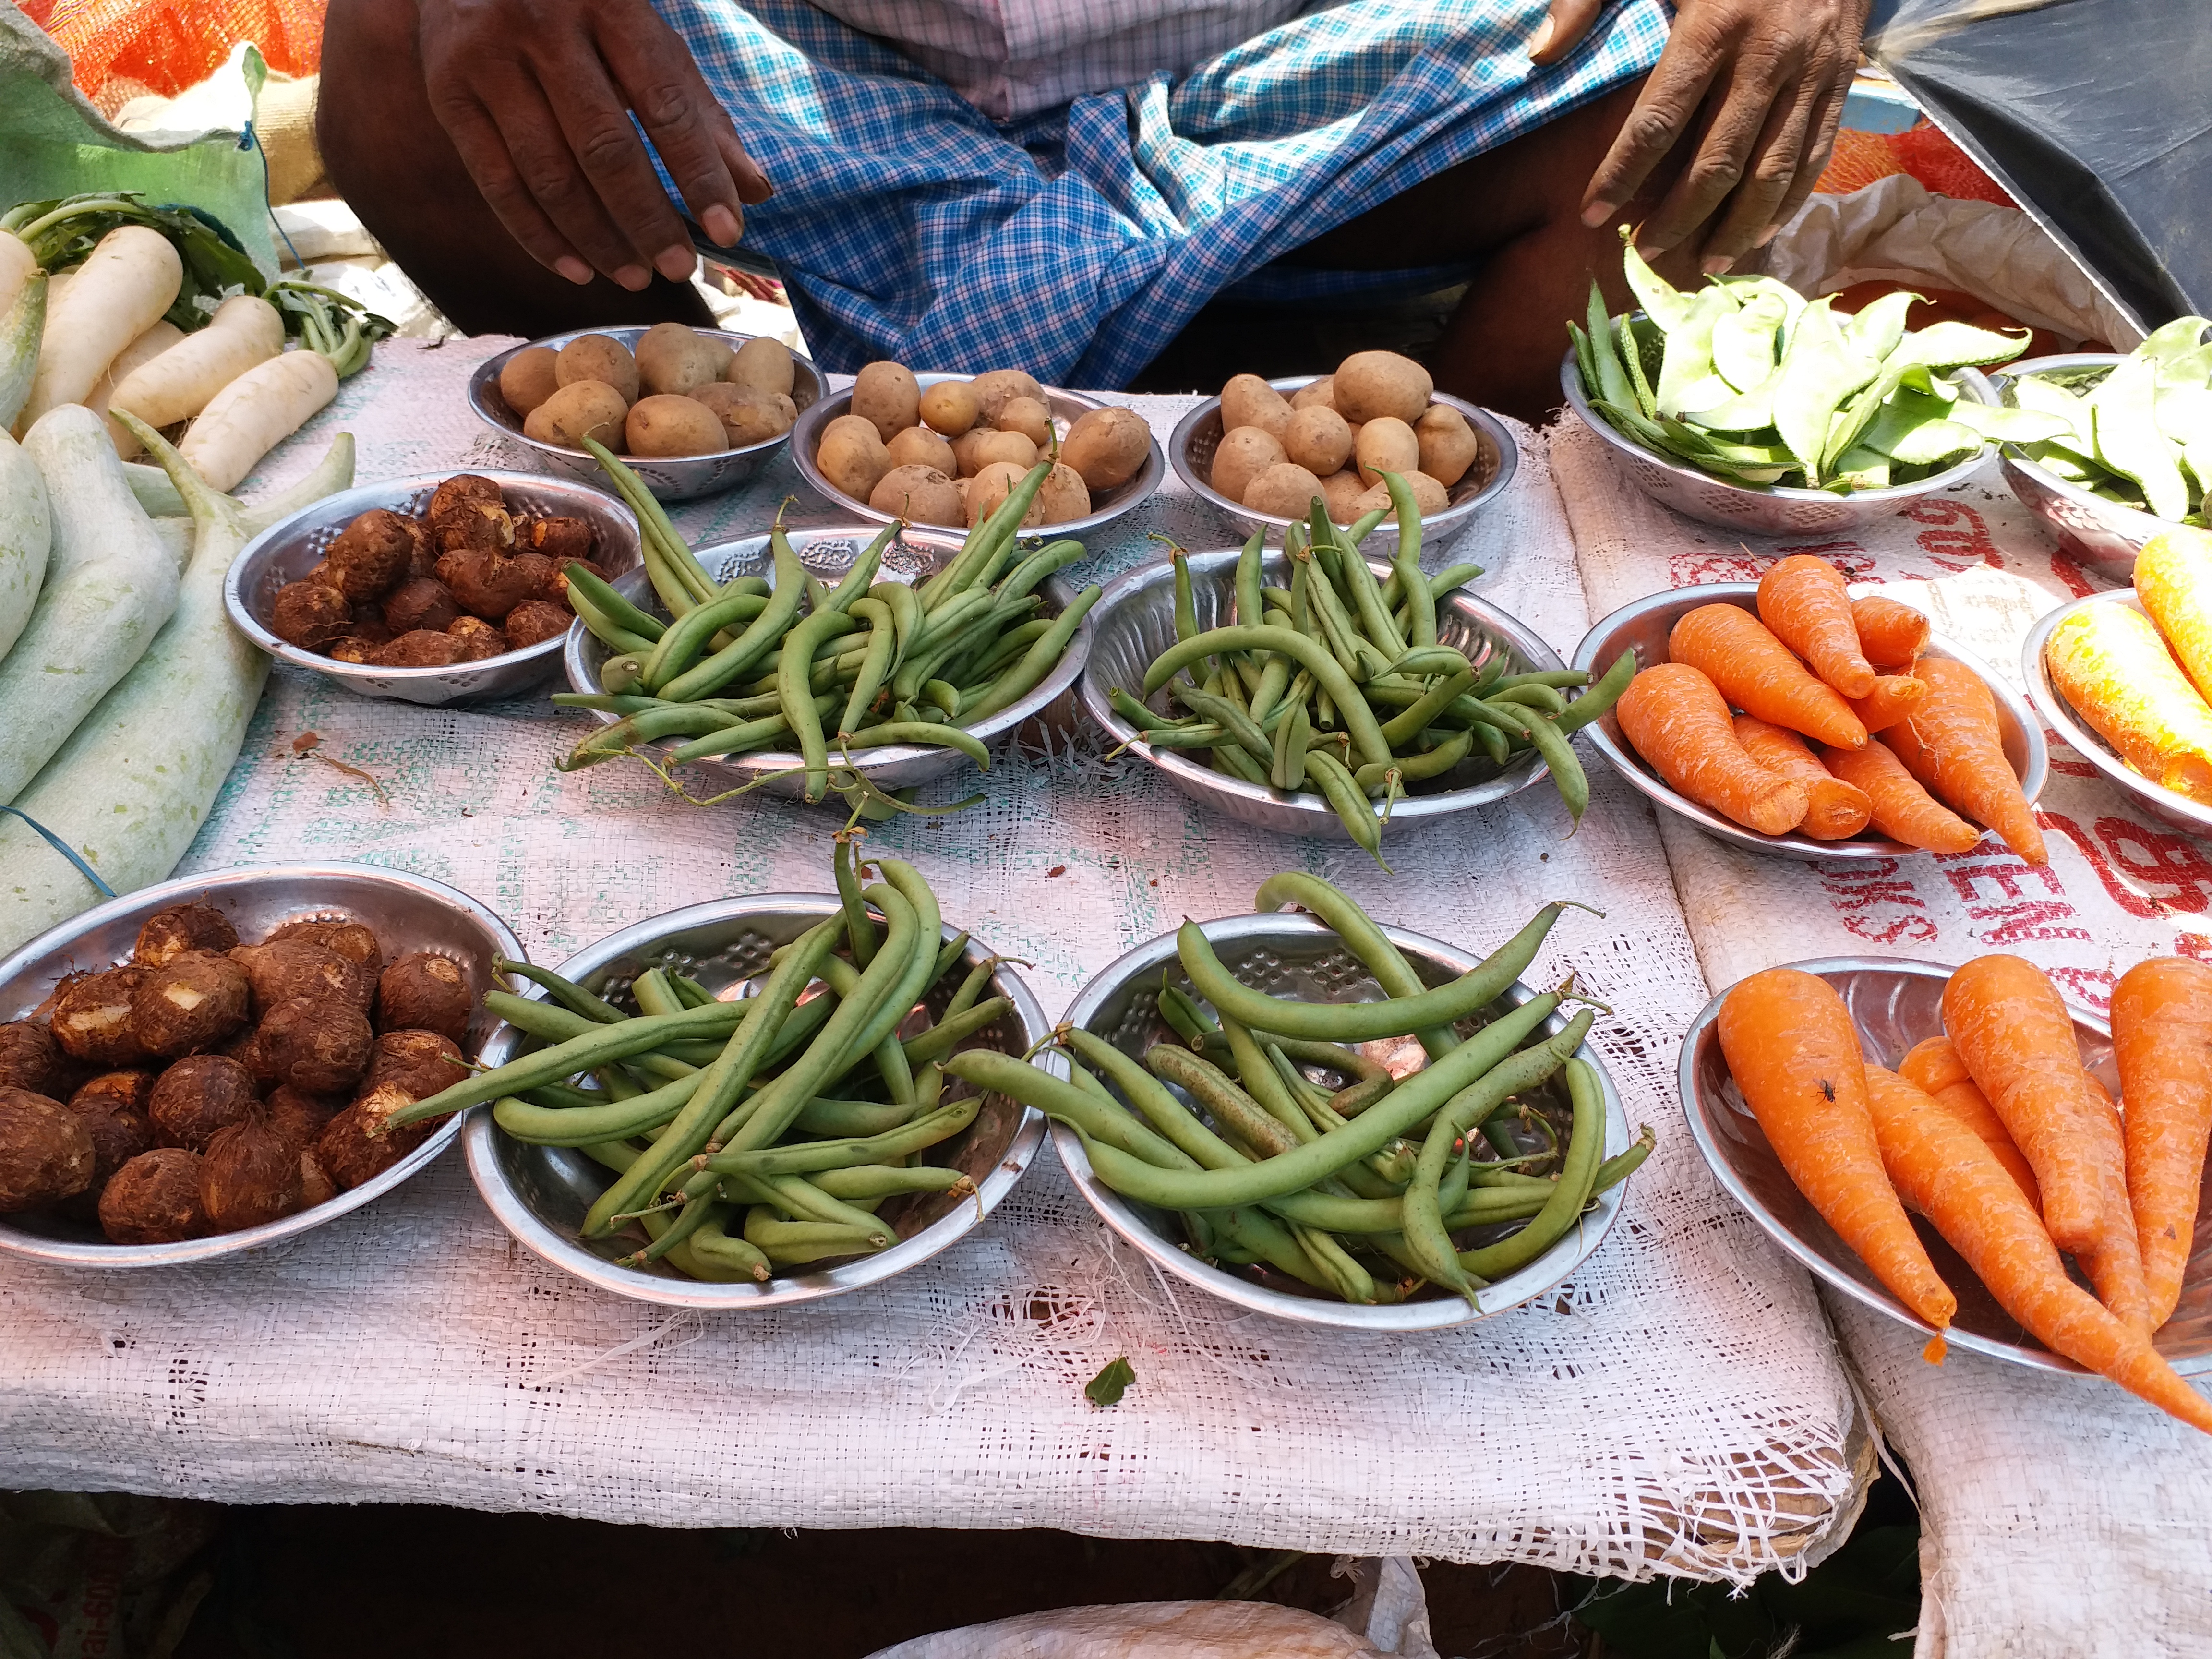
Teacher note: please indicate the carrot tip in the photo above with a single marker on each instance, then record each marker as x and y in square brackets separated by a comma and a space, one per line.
[1936, 1348]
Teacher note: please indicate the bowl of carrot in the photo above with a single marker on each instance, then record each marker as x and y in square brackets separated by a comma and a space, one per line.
[1789, 715]
[1934, 1142]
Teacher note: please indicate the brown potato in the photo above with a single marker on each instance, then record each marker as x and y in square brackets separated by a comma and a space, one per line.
[1385, 444]
[423, 990]
[1340, 490]
[670, 358]
[1322, 392]
[1318, 440]
[198, 1094]
[354, 940]
[533, 622]
[598, 357]
[997, 387]
[1429, 495]
[1012, 447]
[1107, 447]
[1062, 495]
[420, 649]
[1029, 418]
[420, 602]
[918, 494]
[1449, 445]
[1285, 490]
[352, 1154]
[424, 1063]
[92, 1016]
[764, 365]
[1248, 400]
[480, 640]
[47, 1152]
[249, 1175]
[990, 489]
[885, 394]
[918, 446]
[287, 969]
[154, 1199]
[193, 1000]
[963, 450]
[853, 462]
[670, 424]
[1369, 384]
[1242, 455]
[310, 615]
[371, 556]
[747, 417]
[319, 1044]
[30, 1057]
[527, 378]
[193, 927]
[579, 409]
[949, 407]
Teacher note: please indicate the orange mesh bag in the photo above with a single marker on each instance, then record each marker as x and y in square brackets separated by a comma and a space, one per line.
[1925, 152]
[123, 49]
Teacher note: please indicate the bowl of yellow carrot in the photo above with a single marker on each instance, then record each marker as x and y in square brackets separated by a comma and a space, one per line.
[1793, 716]
[2121, 676]
[1934, 1142]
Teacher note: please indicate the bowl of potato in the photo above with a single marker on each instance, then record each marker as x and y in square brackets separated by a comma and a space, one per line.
[1263, 449]
[693, 410]
[943, 450]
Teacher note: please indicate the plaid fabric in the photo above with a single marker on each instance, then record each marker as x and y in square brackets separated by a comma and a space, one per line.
[1078, 242]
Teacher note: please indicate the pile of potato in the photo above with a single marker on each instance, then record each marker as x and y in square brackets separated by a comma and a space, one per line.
[205, 1087]
[465, 582]
[1336, 438]
[682, 393]
[950, 455]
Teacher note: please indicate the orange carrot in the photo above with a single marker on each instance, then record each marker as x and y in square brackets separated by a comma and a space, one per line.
[1891, 635]
[2162, 1041]
[1674, 718]
[1756, 673]
[1942, 1169]
[1893, 697]
[1934, 1069]
[1795, 1053]
[1833, 809]
[1950, 742]
[2006, 1022]
[1898, 806]
[1802, 600]
[2115, 1263]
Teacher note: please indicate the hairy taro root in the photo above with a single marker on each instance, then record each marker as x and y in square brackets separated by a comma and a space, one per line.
[299, 1117]
[533, 622]
[182, 927]
[197, 1095]
[425, 992]
[451, 497]
[92, 1016]
[350, 1150]
[47, 1152]
[246, 1049]
[154, 1199]
[310, 615]
[420, 649]
[479, 639]
[477, 526]
[193, 1000]
[286, 970]
[560, 539]
[371, 556]
[249, 1175]
[316, 1186]
[351, 939]
[423, 1063]
[29, 1057]
[112, 1108]
[127, 1090]
[489, 585]
[321, 1045]
[420, 602]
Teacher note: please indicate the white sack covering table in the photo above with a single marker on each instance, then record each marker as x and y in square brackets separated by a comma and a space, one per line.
[1678, 1407]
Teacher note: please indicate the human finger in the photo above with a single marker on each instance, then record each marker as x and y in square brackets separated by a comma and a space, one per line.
[662, 84]
[554, 172]
[1827, 117]
[1722, 154]
[1663, 112]
[490, 160]
[1775, 160]
[1562, 30]
[594, 126]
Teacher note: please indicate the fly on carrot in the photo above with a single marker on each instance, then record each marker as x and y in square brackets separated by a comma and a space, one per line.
[2162, 1044]
[1802, 600]
[1676, 718]
[1833, 809]
[1951, 743]
[1756, 672]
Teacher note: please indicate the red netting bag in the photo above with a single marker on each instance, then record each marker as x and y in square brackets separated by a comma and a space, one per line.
[124, 49]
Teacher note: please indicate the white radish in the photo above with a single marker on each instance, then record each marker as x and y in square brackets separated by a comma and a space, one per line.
[17, 262]
[132, 278]
[143, 350]
[22, 323]
[27, 529]
[245, 330]
[255, 413]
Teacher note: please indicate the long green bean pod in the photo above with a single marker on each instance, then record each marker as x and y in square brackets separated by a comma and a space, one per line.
[761, 635]
[1578, 1177]
[1329, 675]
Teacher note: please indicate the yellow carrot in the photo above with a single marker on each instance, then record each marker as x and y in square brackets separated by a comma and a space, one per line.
[2113, 669]
[2173, 579]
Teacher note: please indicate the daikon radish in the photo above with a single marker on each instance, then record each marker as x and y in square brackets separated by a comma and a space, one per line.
[132, 278]
[181, 381]
[22, 325]
[17, 263]
[144, 349]
[255, 413]
[26, 533]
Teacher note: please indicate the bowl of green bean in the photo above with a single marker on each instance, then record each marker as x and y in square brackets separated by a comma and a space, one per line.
[799, 1241]
[1331, 1174]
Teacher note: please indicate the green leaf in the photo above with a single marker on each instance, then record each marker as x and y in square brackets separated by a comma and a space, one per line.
[1110, 1384]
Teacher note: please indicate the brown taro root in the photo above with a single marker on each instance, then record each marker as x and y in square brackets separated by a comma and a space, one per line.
[352, 1154]
[420, 649]
[354, 649]
[310, 615]
[198, 1094]
[452, 496]
[246, 1049]
[489, 585]
[321, 1045]
[557, 585]
[92, 1016]
[193, 1000]
[285, 970]
[559, 538]
[154, 1199]
[316, 1186]
[477, 526]
[47, 1152]
[29, 1057]
[182, 927]
[299, 1117]
[420, 602]
[368, 626]
[249, 1175]
[533, 622]
[371, 556]
[424, 557]
[127, 1090]
[479, 639]
[119, 1133]
[423, 1063]
[423, 990]
[351, 939]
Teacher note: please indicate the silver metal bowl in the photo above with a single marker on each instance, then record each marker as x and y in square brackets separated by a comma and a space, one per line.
[1896, 1004]
[1287, 954]
[671, 479]
[288, 549]
[1190, 450]
[405, 912]
[541, 1193]
[2163, 804]
[1135, 620]
[2099, 534]
[1643, 627]
[1771, 510]
[828, 552]
[1066, 408]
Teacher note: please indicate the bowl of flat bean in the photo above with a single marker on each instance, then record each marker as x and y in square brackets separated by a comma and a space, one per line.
[2087, 507]
[1283, 1166]
[875, 1168]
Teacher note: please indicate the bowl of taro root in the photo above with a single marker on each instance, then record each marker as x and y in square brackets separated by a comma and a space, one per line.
[432, 590]
[203, 1067]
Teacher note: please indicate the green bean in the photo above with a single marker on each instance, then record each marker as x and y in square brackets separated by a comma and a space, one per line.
[1203, 735]
[942, 696]
[807, 1158]
[794, 1242]
[876, 663]
[1144, 718]
[1346, 1277]
[1227, 714]
[859, 930]
[792, 685]
[1261, 1083]
[1386, 1215]
[940, 1040]
[607, 600]
[1334, 624]
[840, 1119]
[1235, 762]
[1578, 1175]
[760, 636]
[1601, 697]
[1312, 1101]
[741, 739]
[1380, 627]
[720, 1256]
[1348, 801]
[1186, 609]
[1227, 1104]
[651, 991]
[985, 541]
[1431, 764]
[1082, 1100]
[1358, 718]
[565, 992]
[1542, 698]
[1263, 1238]
[1173, 1122]
[1046, 561]
[680, 646]
[1402, 726]
[1010, 646]
[801, 1200]
[583, 1126]
[1412, 585]
[1185, 1017]
[1287, 763]
[1039, 661]
[1557, 753]
[562, 1097]
[869, 1180]
[905, 607]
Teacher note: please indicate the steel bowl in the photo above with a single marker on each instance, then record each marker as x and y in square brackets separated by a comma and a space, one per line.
[2183, 814]
[541, 1193]
[2099, 534]
[1896, 1004]
[672, 478]
[1066, 408]
[288, 549]
[1643, 627]
[1773, 509]
[405, 912]
[1496, 459]
[828, 552]
[1287, 954]
[1135, 620]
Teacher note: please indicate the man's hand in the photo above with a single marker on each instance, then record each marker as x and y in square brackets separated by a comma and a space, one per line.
[1756, 86]
[537, 96]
